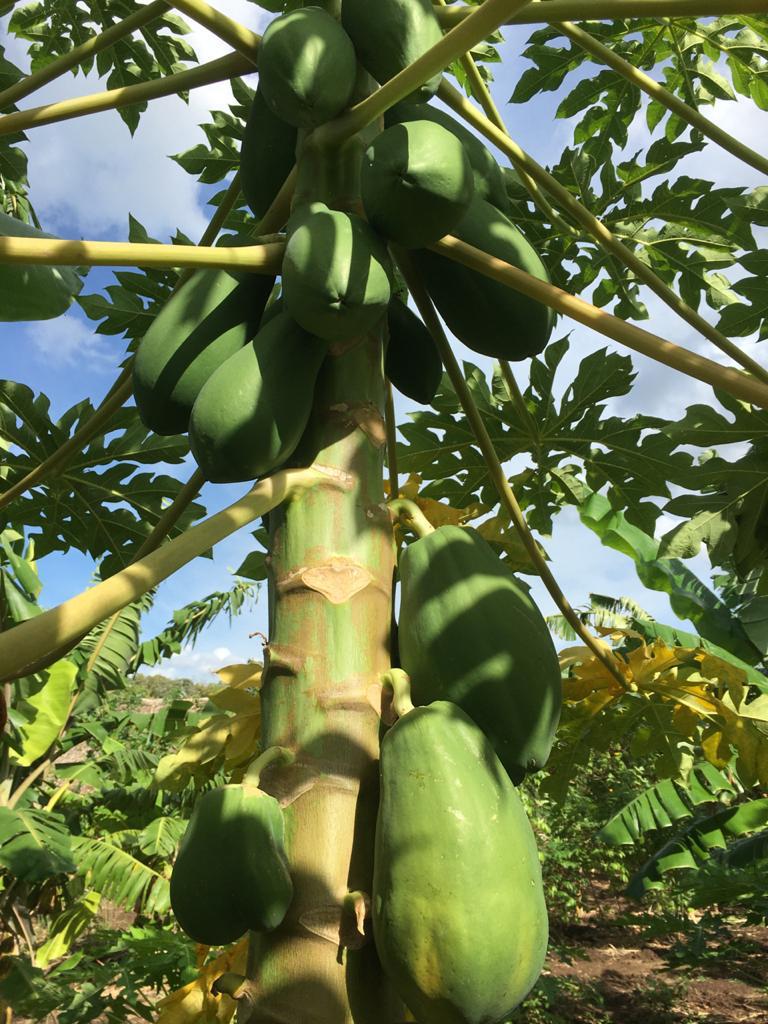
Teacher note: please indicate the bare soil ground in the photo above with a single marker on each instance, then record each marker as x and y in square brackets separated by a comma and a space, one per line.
[605, 969]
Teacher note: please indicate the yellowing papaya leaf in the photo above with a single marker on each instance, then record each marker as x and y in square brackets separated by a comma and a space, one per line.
[200, 748]
[726, 676]
[195, 1003]
[716, 749]
[243, 739]
[231, 698]
[685, 720]
[498, 530]
[239, 676]
[441, 514]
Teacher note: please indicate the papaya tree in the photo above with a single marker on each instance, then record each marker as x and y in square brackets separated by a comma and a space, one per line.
[370, 858]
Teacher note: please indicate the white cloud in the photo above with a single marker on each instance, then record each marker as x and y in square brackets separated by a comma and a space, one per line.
[197, 664]
[89, 172]
[70, 341]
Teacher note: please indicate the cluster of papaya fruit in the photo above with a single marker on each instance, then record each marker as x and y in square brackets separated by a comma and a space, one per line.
[212, 361]
[450, 819]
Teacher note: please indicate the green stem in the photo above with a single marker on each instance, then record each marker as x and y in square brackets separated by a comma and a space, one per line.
[543, 11]
[410, 513]
[233, 65]
[495, 469]
[596, 228]
[481, 23]
[229, 984]
[266, 758]
[399, 683]
[391, 425]
[28, 641]
[222, 26]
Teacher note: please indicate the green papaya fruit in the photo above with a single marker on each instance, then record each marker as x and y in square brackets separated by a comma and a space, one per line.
[470, 633]
[459, 918]
[231, 873]
[212, 315]
[412, 362]
[391, 34]
[271, 311]
[416, 183]
[488, 316]
[267, 155]
[251, 413]
[307, 67]
[488, 175]
[31, 291]
[336, 273]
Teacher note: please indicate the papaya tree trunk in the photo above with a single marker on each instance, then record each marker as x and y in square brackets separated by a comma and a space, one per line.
[331, 565]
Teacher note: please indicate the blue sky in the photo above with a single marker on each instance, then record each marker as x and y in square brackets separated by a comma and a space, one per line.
[86, 176]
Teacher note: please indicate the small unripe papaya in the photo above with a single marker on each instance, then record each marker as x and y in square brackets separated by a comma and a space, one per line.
[307, 67]
[416, 183]
[336, 273]
[231, 873]
[250, 415]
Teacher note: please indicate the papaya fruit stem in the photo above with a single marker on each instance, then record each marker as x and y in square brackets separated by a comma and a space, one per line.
[408, 512]
[229, 984]
[267, 757]
[399, 683]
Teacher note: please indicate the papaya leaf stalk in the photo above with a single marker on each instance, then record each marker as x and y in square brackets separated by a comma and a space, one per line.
[544, 11]
[79, 54]
[495, 470]
[736, 383]
[596, 228]
[28, 641]
[232, 65]
[263, 258]
[240, 38]
[657, 92]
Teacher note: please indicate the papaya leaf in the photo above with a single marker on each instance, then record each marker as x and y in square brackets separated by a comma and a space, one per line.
[157, 50]
[103, 486]
[191, 1002]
